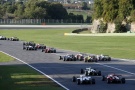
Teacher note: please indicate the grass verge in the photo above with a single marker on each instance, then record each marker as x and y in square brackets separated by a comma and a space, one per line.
[22, 77]
[118, 47]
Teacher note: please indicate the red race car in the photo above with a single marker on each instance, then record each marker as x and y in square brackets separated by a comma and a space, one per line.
[49, 50]
[114, 78]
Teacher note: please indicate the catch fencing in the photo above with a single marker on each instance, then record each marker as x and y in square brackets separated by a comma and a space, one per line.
[40, 22]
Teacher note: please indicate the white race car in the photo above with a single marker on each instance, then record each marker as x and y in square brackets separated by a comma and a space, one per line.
[90, 71]
[83, 79]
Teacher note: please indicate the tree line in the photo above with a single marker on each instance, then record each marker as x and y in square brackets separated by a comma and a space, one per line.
[111, 10]
[37, 9]
[115, 11]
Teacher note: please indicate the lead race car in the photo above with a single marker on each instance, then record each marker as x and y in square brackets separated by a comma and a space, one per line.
[3, 38]
[83, 79]
[114, 78]
[90, 71]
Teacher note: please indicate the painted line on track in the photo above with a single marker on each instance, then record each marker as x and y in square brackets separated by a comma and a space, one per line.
[36, 70]
[116, 68]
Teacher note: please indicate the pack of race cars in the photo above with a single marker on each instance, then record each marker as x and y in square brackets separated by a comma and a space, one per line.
[85, 57]
[87, 74]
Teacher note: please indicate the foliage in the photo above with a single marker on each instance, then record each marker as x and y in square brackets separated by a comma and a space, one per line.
[88, 19]
[85, 6]
[98, 9]
[109, 10]
[119, 27]
[103, 27]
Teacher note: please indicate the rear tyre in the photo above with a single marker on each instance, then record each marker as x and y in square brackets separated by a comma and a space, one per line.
[93, 81]
[82, 71]
[99, 73]
[123, 80]
[74, 79]
[78, 81]
[103, 78]
[108, 81]
[86, 73]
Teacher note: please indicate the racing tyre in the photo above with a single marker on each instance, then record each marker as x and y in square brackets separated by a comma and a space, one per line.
[74, 79]
[86, 73]
[99, 73]
[103, 78]
[108, 81]
[93, 81]
[78, 81]
[82, 71]
[123, 80]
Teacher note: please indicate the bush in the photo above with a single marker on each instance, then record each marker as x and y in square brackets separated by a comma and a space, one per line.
[119, 27]
[102, 27]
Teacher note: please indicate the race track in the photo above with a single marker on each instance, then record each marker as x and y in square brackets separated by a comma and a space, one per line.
[64, 71]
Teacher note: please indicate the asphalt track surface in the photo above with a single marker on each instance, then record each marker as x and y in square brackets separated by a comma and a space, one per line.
[63, 72]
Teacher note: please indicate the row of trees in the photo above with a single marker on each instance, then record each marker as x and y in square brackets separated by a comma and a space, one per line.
[115, 11]
[36, 9]
[111, 10]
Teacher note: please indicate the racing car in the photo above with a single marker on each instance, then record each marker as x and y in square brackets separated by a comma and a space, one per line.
[40, 46]
[13, 39]
[3, 38]
[114, 78]
[31, 43]
[49, 50]
[79, 57]
[29, 47]
[82, 79]
[89, 58]
[68, 57]
[104, 58]
[89, 71]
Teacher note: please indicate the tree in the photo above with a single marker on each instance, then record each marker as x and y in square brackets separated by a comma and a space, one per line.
[57, 11]
[84, 6]
[110, 10]
[125, 7]
[98, 9]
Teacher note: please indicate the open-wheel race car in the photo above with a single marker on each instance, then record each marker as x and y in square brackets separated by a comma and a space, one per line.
[82, 79]
[68, 57]
[91, 72]
[29, 47]
[40, 46]
[3, 38]
[103, 57]
[49, 50]
[114, 78]
[79, 57]
[31, 43]
[13, 39]
[90, 58]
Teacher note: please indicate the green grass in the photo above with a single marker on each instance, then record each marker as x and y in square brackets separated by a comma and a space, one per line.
[118, 47]
[22, 77]
[5, 58]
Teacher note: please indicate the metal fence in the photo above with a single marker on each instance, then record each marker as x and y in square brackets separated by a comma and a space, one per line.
[38, 21]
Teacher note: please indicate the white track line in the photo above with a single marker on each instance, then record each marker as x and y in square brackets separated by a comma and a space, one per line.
[116, 68]
[37, 70]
